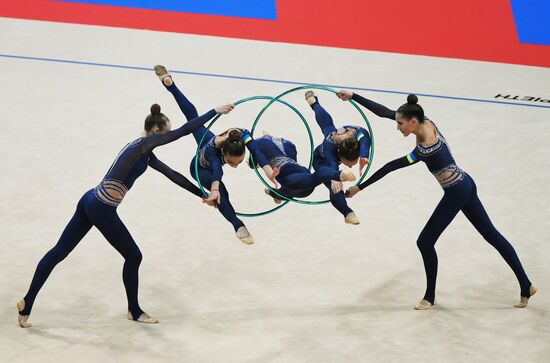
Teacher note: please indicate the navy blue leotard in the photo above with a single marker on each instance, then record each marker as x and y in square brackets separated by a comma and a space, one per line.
[326, 154]
[98, 207]
[211, 160]
[460, 194]
[295, 179]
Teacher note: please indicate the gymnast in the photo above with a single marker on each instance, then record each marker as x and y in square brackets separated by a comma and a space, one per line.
[460, 192]
[347, 145]
[98, 207]
[295, 180]
[216, 151]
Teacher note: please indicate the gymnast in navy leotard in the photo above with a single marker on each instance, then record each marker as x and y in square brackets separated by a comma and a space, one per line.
[460, 192]
[98, 207]
[346, 145]
[216, 151]
[295, 180]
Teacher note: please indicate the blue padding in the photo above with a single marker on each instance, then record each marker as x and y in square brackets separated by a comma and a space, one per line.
[532, 19]
[259, 9]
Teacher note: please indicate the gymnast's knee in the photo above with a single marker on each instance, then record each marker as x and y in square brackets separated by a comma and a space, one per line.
[492, 236]
[134, 257]
[425, 242]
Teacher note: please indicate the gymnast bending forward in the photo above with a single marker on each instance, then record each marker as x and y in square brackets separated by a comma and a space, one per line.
[98, 207]
[460, 192]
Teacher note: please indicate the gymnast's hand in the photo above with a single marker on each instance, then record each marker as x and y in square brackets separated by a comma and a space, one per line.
[352, 191]
[211, 203]
[225, 109]
[362, 163]
[344, 95]
[274, 174]
[214, 197]
[336, 186]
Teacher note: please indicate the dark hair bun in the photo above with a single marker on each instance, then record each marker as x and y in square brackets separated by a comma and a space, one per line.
[412, 99]
[350, 143]
[234, 135]
[155, 109]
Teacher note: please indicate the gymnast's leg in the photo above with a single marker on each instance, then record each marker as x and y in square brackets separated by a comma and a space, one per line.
[297, 177]
[108, 222]
[323, 118]
[75, 230]
[476, 214]
[338, 201]
[444, 213]
[225, 207]
[183, 102]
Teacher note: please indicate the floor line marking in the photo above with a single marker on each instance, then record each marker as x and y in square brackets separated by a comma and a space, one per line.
[271, 80]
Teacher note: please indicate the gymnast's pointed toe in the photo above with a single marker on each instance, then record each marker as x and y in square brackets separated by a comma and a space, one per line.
[245, 236]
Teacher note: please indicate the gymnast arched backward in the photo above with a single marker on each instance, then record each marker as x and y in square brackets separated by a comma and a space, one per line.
[218, 150]
[295, 180]
[346, 145]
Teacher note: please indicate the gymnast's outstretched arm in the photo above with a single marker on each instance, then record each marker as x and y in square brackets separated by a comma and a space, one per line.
[376, 108]
[174, 176]
[393, 165]
[152, 141]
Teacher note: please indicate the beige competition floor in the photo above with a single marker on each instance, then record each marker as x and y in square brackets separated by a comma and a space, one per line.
[312, 289]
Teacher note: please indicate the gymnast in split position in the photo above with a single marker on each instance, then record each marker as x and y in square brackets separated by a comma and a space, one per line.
[296, 181]
[346, 145]
[216, 151]
[98, 207]
[460, 192]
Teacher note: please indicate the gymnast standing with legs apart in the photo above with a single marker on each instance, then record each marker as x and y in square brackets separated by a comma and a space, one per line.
[460, 192]
[347, 145]
[217, 150]
[98, 207]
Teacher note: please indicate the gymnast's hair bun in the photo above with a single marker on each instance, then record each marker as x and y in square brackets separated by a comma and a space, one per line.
[155, 109]
[234, 135]
[412, 99]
